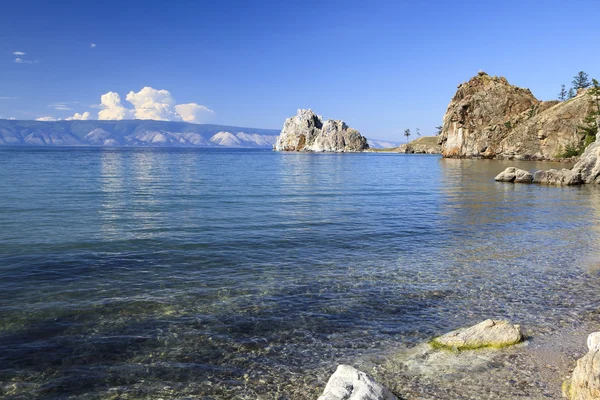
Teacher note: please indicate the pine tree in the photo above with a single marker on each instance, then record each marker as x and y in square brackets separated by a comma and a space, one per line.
[563, 93]
[571, 94]
[439, 129]
[407, 134]
[590, 122]
[580, 81]
[418, 132]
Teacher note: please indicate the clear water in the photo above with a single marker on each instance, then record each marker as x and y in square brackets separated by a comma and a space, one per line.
[186, 273]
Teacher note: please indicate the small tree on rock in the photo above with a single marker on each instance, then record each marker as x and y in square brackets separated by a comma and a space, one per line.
[580, 81]
[590, 122]
[439, 130]
[407, 134]
[571, 94]
[562, 95]
[418, 132]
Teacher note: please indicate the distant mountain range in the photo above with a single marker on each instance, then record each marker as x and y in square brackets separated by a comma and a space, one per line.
[138, 133]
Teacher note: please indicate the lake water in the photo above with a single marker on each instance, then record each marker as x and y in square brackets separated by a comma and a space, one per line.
[186, 273]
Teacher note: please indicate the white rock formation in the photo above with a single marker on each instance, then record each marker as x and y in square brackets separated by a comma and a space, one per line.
[308, 132]
[489, 333]
[348, 383]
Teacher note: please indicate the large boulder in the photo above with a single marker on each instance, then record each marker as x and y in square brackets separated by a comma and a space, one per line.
[588, 165]
[348, 383]
[489, 333]
[563, 177]
[490, 118]
[512, 174]
[585, 382]
[308, 132]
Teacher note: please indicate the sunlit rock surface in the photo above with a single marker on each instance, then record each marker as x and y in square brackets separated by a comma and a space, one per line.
[512, 174]
[348, 383]
[585, 382]
[308, 132]
[489, 333]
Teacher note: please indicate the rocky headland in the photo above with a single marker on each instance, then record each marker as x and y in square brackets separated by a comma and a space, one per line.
[307, 131]
[422, 145]
[490, 118]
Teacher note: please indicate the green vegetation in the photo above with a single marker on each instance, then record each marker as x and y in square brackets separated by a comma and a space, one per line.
[581, 81]
[508, 125]
[562, 95]
[590, 122]
[407, 134]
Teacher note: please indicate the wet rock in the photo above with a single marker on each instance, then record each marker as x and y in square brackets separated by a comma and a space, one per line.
[563, 177]
[489, 333]
[512, 174]
[348, 383]
[585, 383]
[308, 132]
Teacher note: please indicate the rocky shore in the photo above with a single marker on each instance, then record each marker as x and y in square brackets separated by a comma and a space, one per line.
[490, 360]
[422, 145]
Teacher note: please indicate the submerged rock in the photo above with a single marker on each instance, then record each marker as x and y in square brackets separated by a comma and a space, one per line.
[512, 174]
[585, 383]
[308, 132]
[489, 333]
[348, 383]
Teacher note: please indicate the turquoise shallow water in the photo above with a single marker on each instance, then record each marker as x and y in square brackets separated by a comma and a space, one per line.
[176, 273]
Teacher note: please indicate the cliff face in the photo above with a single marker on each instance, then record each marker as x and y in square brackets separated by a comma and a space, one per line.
[490, 118]
[308, 132]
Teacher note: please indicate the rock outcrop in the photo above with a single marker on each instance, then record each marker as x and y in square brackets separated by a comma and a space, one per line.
[490, 118]
[585, 382]
[586, 170]
[308, 132]
[489, 333]
[422, 145]
[512, 174]
[348, 383]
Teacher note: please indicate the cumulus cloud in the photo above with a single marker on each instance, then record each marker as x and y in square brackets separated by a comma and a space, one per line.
[150, 103]
[46, 119]
[19, 53]
[92, 45]
[194, 113]
[112, 107]
[81, 117]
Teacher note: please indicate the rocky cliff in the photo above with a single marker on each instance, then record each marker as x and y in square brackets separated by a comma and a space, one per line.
[490, 118]
[308, 132]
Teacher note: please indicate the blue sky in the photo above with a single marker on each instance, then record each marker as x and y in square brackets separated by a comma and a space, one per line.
[382, 66]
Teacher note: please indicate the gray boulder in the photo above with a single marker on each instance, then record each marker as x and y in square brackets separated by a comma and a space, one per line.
[348, 383]
[512, 174]
[588, 165]
[563, 177]
[489, 333]
[308, 132]
[585, 382]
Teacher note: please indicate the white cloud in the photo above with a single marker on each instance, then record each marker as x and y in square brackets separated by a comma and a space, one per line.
[60, 106]
[83, 117]
[19, 60]
[19, 53]
[46, 119]
[92, 45]
[112, 108]
[194, 113]
[153, 104]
